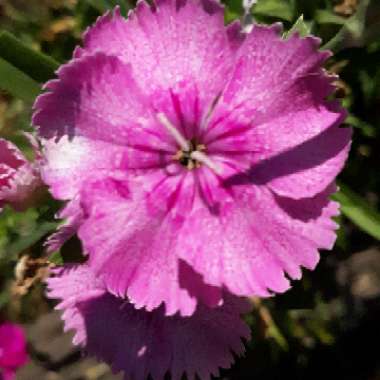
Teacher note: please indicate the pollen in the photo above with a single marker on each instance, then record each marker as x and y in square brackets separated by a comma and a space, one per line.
[185, 157]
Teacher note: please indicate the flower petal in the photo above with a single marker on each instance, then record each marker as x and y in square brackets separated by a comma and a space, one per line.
[275, 105]
[305, 169]
[142, 343]
[89, 118]
[73, 214]
[94, 96]
[12, 346]
[68, 163]
[250, 245]
[132, 243]
[171, 42]
[19, 179]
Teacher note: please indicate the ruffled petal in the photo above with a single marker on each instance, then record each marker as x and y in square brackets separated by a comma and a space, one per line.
[19, 178]
[304, 170]
[142, 343]
[132, 242]
[95, 97]
[173, 41]
[88, 120]
[73, 215]
[7, 374]
[251, 244]
[12, 346]
[68, 163]
[274, 110]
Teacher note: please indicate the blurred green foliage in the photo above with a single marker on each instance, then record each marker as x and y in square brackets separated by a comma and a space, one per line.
[308, 322]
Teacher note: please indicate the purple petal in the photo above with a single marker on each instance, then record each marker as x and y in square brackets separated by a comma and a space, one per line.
[275, 107]
[7, 374]
[70, 163]
[13, 352]
[142, 343]
[91, 118]
[19, 179]
[132, 247]
[172, 42]
[95, 97]
[73, 214]
[249, 245]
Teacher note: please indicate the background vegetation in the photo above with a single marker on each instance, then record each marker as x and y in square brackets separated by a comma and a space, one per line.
[328, 324]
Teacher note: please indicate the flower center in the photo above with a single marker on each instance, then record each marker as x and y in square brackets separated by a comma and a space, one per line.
[186, 157]
[191, 153]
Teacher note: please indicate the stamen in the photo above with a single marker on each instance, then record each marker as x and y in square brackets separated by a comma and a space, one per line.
[202, 158]
[174, 132]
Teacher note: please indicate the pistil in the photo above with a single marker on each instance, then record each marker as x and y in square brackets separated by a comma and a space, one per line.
[191, 155]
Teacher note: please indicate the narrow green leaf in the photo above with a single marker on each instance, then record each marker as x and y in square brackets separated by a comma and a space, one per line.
[124, 5]
[352, 32]
[274, 8]
[300, 27]
[56, 258]
[17, 83]
[27, 241]
[366, 129]
[100, 5]
[104, 5]
[323, 16]
[36, 65]
[355, 208]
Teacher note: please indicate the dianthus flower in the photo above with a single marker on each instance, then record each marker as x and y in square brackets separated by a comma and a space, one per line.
[19, 178]
[194, 157]
[143, 343]
[13, 353]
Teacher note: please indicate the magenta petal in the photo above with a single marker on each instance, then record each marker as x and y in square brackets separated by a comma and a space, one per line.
[132, 248]
[174, 41]
[250, 245]
[7, 374]
[142, 343]
[304, 170]
[73, 214]
[70, 163]
[90, 118]
[282, 116]
[19, 178]
[13, 352]
[95, 97]
[202, 157]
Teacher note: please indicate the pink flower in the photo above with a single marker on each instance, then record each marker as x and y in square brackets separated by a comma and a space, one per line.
[13, 353]
[201, 157]
[142, 343]
[19, 178]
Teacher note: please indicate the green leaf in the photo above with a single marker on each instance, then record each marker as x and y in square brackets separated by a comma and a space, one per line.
[300, 27]
[104, 5]
[355, 208]
[366, 129]
[101, 5]
[56, 258]
[17, 83]
[36, 65]
[355, 32]
[323, 16]
[274, 8]
[27, 241]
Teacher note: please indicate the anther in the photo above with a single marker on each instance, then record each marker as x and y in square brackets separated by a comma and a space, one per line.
[191, 154]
